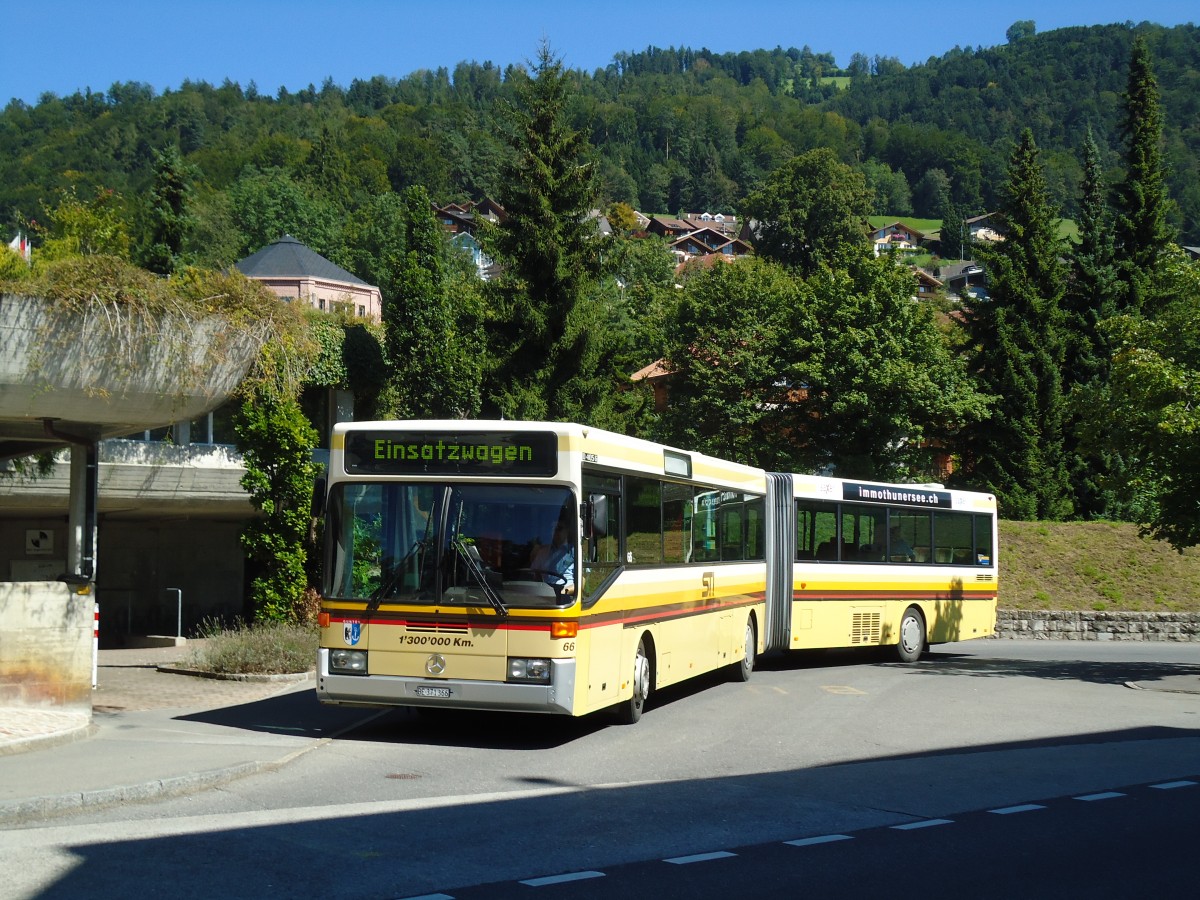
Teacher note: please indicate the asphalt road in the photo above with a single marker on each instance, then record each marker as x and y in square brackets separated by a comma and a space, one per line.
[474, 805]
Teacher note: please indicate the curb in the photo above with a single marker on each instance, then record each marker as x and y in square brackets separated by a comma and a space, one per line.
[80, 732]
[38, 808]
[284, 678]
[34, 809]
[21, 812]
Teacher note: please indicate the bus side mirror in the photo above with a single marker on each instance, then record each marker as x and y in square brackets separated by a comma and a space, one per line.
[596, 515]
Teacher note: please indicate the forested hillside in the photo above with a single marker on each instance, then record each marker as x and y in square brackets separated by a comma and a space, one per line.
[672, 130]
[1069, 391]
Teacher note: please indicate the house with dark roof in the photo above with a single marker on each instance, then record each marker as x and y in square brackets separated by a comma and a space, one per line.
[988, 227]
[725, 224]
[294, 272]
[670, 228]
[927, 285]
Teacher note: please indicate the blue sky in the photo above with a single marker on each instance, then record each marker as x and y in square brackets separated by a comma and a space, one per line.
[61, 47]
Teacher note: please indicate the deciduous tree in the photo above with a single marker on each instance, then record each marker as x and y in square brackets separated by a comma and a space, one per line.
[1150, 412]
[810, 211]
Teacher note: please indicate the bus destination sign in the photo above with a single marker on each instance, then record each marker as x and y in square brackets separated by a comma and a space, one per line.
[501, 453]
[909, 495]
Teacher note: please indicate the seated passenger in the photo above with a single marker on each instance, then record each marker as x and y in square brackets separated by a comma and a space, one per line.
[900, 549]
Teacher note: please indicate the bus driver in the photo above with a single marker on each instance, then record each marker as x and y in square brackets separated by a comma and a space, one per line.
[555, 561]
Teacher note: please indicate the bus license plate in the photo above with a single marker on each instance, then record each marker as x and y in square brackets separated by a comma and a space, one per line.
[440, 692]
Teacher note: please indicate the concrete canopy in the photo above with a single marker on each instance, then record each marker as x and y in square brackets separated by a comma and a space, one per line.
[70, 377]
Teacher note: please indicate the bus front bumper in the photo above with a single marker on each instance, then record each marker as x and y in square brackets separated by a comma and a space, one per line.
[396, 690]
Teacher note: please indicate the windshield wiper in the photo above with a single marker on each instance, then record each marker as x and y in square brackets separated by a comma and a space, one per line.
[389, 584]
[477, 570]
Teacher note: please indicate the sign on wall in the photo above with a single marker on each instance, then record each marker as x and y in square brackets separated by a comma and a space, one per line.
[38, 542]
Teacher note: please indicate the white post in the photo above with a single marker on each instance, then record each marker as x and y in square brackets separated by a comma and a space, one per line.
[95, 644]
[178, 610]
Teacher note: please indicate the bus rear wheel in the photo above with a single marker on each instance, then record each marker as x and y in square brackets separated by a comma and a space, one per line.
[912, 635]
[745, 667]
[630, 711]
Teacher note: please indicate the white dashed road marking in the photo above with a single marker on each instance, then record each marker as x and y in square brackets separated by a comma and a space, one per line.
[927, 823]
[823, 839]
[699, 857]
[562, 879]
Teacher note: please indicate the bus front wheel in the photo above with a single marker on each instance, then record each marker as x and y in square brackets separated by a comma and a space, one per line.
[912, 635]
[743, 668]
[629, 711]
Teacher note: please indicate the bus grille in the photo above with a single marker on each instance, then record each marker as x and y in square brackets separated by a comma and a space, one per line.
[435, 627]
[864, 629]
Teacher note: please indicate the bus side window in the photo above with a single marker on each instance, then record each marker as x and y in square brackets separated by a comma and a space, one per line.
[816, 530]
[601, 531]
[983, 541]
[951, 534]
[677, 520]
[756, 527]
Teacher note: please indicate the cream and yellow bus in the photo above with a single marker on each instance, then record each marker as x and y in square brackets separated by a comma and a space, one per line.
[557, 568]
[446, 583]
[872, 564]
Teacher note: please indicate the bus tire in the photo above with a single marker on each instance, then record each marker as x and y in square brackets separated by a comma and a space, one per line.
[743, 669]
[912, 636]
[630, 711]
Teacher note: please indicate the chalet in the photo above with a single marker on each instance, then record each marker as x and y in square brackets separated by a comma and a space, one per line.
[988, 227]
[927, 285]
[965, 278]
[456, 218]
[896, 237]
[669, 228]
[656, 375]
[725, 224]
[705, 243]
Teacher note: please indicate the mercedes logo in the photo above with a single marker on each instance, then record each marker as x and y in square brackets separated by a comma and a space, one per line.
[436, 664]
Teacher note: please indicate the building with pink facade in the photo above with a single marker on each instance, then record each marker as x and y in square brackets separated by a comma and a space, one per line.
[294, 272]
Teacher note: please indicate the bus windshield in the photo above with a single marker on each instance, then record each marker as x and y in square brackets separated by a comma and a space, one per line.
[498, 545]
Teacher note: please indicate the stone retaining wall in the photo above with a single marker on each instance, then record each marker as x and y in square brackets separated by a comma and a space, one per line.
[1097, 626]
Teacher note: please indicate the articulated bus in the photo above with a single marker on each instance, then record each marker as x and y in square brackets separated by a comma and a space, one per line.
[557, 568]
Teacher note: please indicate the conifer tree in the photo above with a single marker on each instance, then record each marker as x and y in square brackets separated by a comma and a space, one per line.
[1018, 339]
[546, 345]
[1143, 230]
[169, 218]
[1092, 296]
[435, 369]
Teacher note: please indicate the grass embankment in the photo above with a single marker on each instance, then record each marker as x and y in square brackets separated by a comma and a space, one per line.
[1100, 566]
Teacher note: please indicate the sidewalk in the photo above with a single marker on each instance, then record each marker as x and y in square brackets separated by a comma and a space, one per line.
[155, 732]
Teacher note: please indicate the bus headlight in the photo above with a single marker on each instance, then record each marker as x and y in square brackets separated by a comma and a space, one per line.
[348, 662]
[535, 670]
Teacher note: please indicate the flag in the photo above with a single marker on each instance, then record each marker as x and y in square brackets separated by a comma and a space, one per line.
[21, 246]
